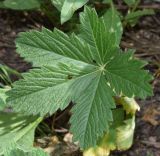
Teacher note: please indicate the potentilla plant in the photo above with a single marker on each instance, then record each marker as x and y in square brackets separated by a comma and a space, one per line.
[88, 69]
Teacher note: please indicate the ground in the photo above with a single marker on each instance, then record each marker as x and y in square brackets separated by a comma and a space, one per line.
[144, 37]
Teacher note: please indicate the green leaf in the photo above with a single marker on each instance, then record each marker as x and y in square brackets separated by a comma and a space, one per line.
[113, 25]
[93, 106]
[46, 81]
[58, 4]
[22, 4]
[54, 47]
[69, 7]
[34, 152]
[139, 13]
[18, 127]
[99, 34]
[2, 5]
[128, 78]
[3, 97]
[130, 2]
[133, 17]
[107, 1]
[88, 69]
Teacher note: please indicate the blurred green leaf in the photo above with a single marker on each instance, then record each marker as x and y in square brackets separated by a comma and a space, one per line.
[139, 13]
[22, 4]
[2, 5]
[34, 152]
[58, 4]
[133, 17]
[107, 1]
[17, 131]
[3, 97]
[69, 7]
[5, 73]
[130, 2]
[113, 24]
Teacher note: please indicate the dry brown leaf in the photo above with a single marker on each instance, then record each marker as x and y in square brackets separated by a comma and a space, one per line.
[152, 142]
[150, 115]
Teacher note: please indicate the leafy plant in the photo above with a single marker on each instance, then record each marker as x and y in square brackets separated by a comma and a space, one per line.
[88, 69]
[134, 14]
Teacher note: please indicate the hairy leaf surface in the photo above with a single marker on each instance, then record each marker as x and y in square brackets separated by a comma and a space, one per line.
[124, 69]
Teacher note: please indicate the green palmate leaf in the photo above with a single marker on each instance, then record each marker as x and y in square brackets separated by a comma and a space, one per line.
[34, 152]
[88, 69]
[17, 131]
[22, 4]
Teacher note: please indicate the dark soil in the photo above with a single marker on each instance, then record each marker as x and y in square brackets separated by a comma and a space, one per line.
[145, 38]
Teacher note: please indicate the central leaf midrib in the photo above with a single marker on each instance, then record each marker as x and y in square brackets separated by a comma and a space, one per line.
[69, 81]
[95, 43]
[91, 107]
[51, 52]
